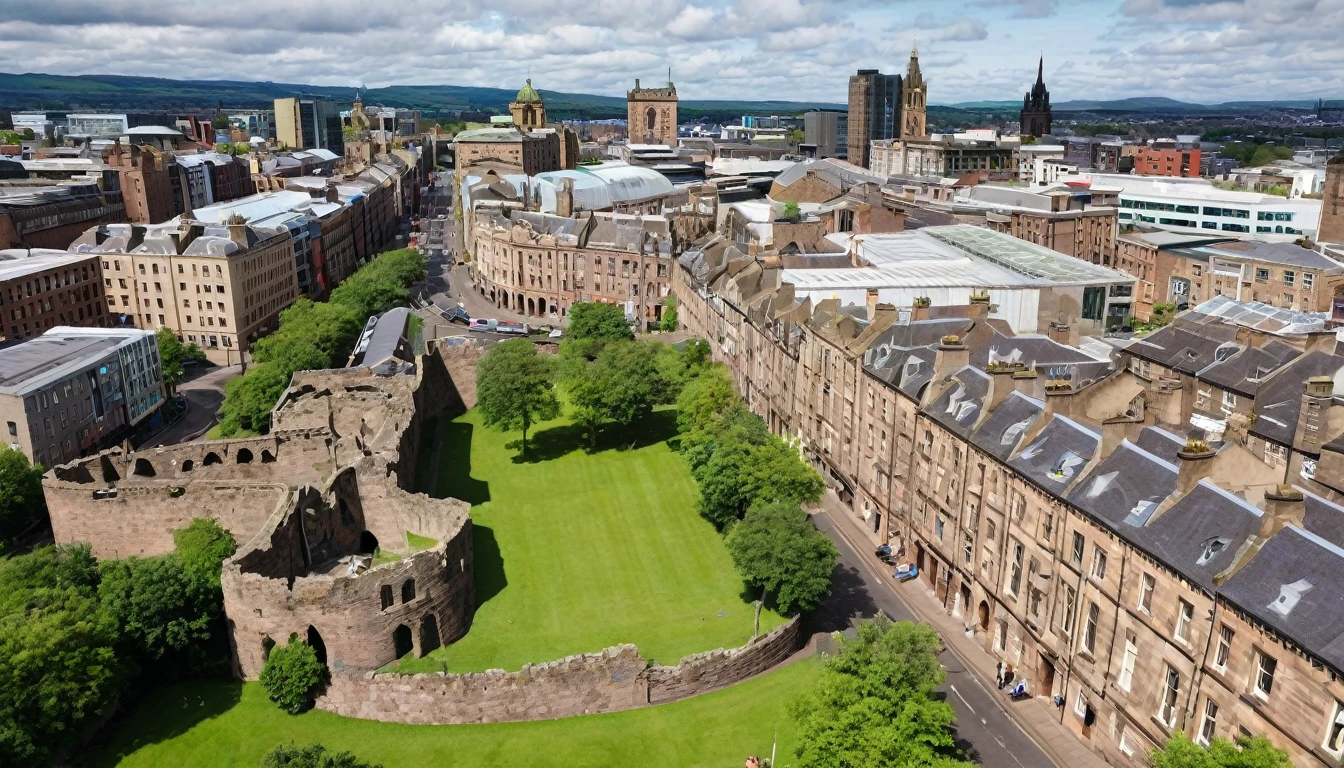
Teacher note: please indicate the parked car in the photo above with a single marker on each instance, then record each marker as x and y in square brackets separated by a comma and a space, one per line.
[482, 324]
[457, 315]
[515, 329]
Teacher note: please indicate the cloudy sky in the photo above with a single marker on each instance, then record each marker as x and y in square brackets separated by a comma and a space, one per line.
[1196, 50]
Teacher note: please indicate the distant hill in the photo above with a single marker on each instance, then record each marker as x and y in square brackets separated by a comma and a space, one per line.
[1141, 104]
[60, 92]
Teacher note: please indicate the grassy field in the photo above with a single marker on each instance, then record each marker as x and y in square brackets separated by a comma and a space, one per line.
[576, 551]
[233, 724]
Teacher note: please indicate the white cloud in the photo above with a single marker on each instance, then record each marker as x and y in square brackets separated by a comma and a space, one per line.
[1205, 50]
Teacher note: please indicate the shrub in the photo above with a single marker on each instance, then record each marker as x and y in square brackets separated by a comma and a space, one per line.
[292, 675]
[311, 756]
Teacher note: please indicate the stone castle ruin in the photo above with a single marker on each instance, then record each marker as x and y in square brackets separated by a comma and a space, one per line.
[310, 503]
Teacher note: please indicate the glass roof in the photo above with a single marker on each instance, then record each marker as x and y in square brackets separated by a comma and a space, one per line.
[1022, 257]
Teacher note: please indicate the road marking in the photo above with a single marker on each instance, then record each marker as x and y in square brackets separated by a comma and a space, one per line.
[963, 699]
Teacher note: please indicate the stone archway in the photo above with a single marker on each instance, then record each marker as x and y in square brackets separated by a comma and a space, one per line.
[188, 465]
[143, 468]
[368, 543]
[429, 634]
[982, 616]
[402, 642]
[212, 458]
[315, 642]
[244, 456]
[408, 590]
[531, 307]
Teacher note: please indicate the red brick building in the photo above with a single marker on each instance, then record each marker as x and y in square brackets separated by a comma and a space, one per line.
[1166, 162]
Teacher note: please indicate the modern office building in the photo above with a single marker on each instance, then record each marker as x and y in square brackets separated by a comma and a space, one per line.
[827, 132]
[1194, 206]
[73, 391]
[309, 124]
[102, 126]
[874, 112]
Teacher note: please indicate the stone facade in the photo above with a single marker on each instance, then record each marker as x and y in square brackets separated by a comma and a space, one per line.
[1331, 229]
[614, 679]
[41, 290]
[652, 114]
[1097, 555]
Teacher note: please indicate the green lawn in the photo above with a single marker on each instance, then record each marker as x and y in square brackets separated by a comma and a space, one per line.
[576, 551]
[233, 724]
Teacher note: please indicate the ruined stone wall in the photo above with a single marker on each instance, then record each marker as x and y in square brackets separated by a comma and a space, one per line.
[141, 518]
[615, 679]
[710, 671]
[449, 378]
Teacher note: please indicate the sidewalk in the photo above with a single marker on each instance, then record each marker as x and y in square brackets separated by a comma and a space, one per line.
[1037, 717]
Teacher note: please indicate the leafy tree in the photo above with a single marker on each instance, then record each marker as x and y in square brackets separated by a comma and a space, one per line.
[668, 322]
[248, 399]
[311, 756]
[594, 320]
[515, 388]
[22, 503]
[623, 385]
[220, 121]
[150, 602]
[1181, 752]
[173, 353]
[792, 212]
[59, 667]
[705, 402]
[874, 703]
[329, 327]
[292, 675]
[779, 552]
[743, 465]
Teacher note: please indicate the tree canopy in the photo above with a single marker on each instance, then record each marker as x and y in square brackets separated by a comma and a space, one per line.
[668, 322]
[874, 703]
[515, 388]
[22, 503]
[599, 322]
[1181, 752]
[779, 552]
[622, 384]
[292, 675]
[316, 335]
[173, 353]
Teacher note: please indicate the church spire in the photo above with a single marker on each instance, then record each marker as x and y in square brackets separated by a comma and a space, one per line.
[1040, 71]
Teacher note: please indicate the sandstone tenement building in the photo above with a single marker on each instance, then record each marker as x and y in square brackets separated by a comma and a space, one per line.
[1057, 496]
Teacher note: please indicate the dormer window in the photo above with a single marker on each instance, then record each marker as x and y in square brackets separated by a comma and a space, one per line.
[1065, 467]
[1289, 595]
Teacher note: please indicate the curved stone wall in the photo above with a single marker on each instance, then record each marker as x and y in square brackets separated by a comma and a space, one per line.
[615, 679]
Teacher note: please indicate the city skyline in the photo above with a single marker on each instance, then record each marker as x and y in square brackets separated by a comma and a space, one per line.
[1189, 50]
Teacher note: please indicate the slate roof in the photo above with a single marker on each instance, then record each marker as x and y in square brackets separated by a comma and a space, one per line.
[1292, 585]
[1126, 487]
[1006, 425]
[1179, 348]
[1242, 372]
[1199, 535]
[903, 356]
[1324, 518]
[1278, 400]
[959, 406]
[1161, 443]
[1058, 454]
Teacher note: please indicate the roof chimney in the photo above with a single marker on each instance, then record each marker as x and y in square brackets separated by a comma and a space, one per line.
[979, 307]
[1196, 464]
[1284, 506]
[1313, 417]
[920, 309]
[1063, 334]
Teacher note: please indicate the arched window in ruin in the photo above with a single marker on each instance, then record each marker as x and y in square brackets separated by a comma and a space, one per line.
[244, 456]
[368, 543]
[143, 468]
[408, 590]
[267, 457]
[188, 465]
[651, 118]
[429, 634]
[266, 645]
[212, 458]
[386, 594]
[315, 642]
[402, 643]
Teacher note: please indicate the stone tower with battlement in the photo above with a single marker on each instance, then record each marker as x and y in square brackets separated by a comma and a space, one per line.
[652, 114]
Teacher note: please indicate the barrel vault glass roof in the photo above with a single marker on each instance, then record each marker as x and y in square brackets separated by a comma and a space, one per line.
[1020, 256]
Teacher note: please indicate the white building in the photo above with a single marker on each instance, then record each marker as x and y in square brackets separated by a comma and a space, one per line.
[96, 125]
[1026, 283]
[1194, 206]
[1029, 154]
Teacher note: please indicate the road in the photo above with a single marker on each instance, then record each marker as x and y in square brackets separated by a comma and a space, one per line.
[204, 393]
[983, 728]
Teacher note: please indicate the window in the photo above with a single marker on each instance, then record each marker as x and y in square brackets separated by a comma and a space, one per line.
[1080, 704]
[938, 527]
[1334, 733]
[1089, 641]
[1077, 548]
[1287, 301]
[1308, 280]
[1261, 275]
[13, 429]
[1171, 691]
[1094, 303]
[1209, 724]
[1289, 277]
[1146, 586]
[1224, 650]
[1066, 615]
[1127, 665]
[1015, 581]
[1098, 563]
[1187, 612]
[1229, 399]
[1125, 746]
[1264, 674]
[968, 544]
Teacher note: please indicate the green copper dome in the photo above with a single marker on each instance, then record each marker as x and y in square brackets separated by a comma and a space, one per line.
[528, 94]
